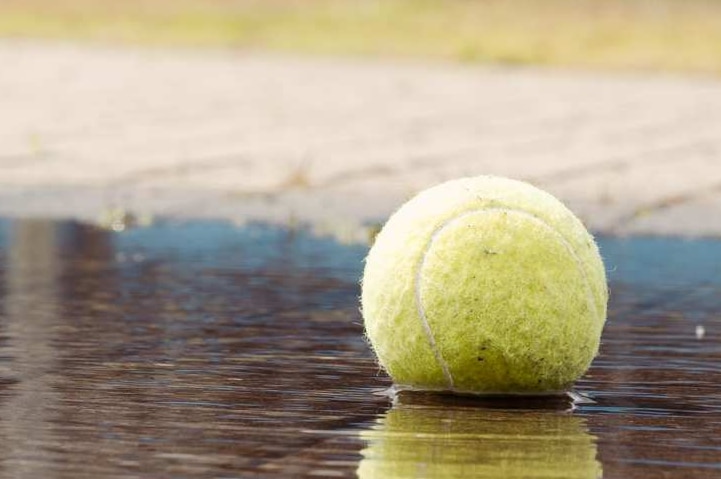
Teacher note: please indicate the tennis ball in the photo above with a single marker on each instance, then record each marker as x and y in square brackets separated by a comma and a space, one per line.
[484, 285]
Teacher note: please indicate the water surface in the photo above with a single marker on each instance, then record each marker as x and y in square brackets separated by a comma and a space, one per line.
[210, 350]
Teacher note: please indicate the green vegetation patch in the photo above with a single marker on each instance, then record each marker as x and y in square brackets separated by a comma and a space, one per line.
[630, 34]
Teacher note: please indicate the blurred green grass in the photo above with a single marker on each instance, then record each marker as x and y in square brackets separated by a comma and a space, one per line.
[674, 35]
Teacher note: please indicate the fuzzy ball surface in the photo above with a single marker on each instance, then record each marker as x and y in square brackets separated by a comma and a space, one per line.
[484, 285]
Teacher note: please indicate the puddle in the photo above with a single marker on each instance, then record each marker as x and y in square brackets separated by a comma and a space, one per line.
[209, 350]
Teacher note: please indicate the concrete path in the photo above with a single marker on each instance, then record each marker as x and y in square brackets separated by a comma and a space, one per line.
[88, 131]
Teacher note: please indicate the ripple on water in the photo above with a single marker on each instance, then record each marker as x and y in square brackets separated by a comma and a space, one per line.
[207, 349]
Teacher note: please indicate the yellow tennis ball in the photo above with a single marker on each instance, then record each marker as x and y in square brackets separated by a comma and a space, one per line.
[484, 285]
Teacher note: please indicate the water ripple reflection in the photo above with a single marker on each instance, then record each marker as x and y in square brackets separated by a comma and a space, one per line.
[209, 350]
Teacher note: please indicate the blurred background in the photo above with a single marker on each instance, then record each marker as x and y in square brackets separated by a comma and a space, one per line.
[188, 189]
[331, 113]
[614, 34]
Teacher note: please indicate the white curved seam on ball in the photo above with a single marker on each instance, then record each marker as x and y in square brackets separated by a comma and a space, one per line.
[580, 264]
[566, 244]
[419, 302]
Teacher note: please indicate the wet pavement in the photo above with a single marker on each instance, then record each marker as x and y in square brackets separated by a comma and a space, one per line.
[203, 349]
